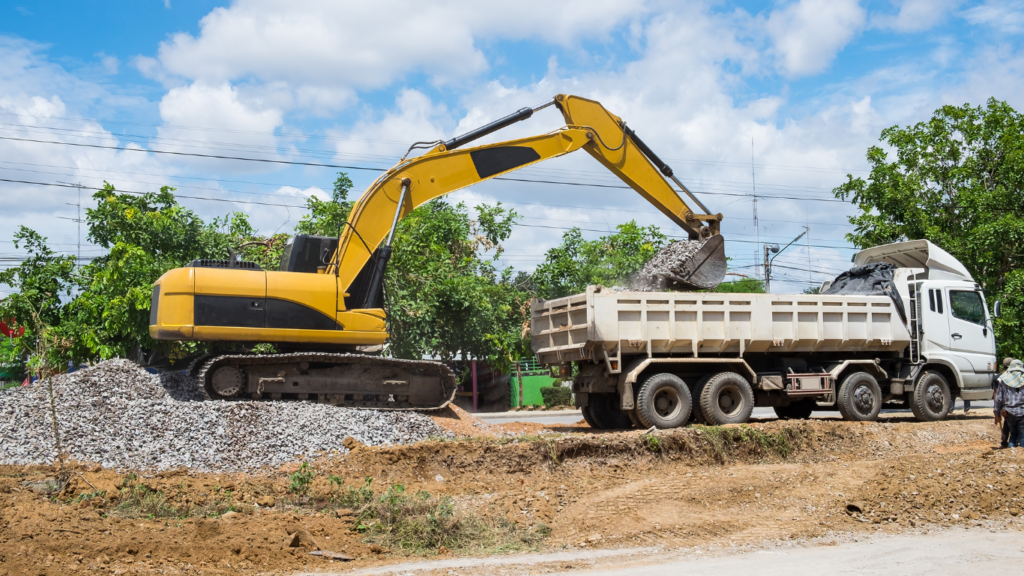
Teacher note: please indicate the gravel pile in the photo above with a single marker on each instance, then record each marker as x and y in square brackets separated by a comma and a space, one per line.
[122, 417]
[653, 277]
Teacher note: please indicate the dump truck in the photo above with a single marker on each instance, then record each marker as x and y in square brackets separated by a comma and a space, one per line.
[919, 337]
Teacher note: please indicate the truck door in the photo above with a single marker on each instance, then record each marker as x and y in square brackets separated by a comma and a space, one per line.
[933, 320]
[971, 337]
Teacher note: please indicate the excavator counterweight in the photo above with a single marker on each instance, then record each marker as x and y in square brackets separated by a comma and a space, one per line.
[323, 308]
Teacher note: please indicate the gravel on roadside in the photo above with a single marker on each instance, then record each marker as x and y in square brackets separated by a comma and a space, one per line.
[120, 416]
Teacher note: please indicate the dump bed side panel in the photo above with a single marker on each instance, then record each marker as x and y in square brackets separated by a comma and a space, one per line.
[585, 326]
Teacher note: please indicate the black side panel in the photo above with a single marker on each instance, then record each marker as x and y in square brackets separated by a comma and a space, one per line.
[284, 314]
[306, 253]
[358, 291]
[237, 311]
[154, 305]
[491, 161]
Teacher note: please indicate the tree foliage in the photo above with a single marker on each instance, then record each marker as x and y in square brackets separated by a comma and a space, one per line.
[446, 297]
[958, 181]
[326, 217]
[577, 263]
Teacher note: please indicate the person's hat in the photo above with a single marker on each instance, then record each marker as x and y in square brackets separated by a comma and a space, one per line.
[1006, 362]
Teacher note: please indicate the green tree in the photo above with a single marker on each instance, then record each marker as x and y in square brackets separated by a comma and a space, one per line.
[326, 217]
[146, 235]
[577, 263]
[44, 285]
[741, 286]
[958, 181]
[446, 297]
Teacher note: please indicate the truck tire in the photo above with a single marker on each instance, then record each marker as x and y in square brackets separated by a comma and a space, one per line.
[931, 399]
[605, 411]
[697, 414]
[727, 399]
[859, 398]
[664, 402]
[800, 410]
[589, 417]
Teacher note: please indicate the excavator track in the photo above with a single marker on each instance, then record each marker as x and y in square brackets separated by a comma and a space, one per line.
[350, 380]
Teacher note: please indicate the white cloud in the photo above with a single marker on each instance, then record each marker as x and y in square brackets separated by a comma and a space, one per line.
[808, 34]
[218, 119]
[915, 15]
[324, 45]
[109, 63]
[304, 193]
[1006, 17]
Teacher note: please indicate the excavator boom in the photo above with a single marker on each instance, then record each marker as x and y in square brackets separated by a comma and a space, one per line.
[323, 307]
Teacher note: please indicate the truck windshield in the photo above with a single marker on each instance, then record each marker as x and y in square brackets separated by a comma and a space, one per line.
[967, 306]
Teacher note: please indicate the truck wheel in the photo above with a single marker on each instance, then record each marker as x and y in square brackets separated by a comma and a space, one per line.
[604, 409]
[859, 398]
[931, 399]
[796, 410]
[697, 414]
[589, 417]
[727, 399]
[664, 402]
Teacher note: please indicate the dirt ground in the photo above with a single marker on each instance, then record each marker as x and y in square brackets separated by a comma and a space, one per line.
[711, 487]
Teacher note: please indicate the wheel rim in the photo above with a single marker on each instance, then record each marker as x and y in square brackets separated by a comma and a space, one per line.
[863, 399]
[934, 398]
[666, 403]
[729, 401]
[227, 381]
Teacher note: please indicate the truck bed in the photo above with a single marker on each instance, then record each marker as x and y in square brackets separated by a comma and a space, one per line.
[601, 322]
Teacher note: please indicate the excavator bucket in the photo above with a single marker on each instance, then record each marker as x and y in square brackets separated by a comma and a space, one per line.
[688, 265]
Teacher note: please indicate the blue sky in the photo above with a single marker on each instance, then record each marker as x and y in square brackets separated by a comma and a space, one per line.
[811, 82]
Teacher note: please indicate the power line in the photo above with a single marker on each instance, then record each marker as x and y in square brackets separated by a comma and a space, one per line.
[347, 167]
[143, 193]
[397, 142]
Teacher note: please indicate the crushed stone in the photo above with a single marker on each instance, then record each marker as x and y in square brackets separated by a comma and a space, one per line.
[653, 277]
[119, 416]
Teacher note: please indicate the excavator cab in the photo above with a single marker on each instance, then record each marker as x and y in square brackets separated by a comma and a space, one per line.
[307, 253]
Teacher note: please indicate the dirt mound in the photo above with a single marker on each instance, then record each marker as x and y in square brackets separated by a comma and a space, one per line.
[460, 423]
[728, 487]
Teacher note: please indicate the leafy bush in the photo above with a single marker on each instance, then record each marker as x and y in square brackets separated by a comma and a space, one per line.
[556, 396]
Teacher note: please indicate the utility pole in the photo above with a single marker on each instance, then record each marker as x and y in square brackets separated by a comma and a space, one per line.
[753, 188]
[774, 249]
[78, 259]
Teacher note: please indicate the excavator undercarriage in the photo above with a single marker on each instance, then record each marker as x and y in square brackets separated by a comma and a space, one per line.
[352, 380]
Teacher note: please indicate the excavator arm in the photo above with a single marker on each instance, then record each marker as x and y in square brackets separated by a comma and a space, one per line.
[364, 246]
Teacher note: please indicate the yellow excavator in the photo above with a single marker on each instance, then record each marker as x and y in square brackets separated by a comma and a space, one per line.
[323, 308]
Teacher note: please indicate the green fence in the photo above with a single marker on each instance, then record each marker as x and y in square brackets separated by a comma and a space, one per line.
[533, 377]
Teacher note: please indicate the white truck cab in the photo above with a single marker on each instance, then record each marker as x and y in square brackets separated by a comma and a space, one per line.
[949, 321]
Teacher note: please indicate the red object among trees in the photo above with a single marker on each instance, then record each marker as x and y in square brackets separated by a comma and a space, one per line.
[11, 332]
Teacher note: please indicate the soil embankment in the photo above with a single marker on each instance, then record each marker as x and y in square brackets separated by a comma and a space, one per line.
[717, 487]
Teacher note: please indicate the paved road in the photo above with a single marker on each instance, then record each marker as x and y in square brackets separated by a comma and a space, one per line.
[953, 552]
[566, 417]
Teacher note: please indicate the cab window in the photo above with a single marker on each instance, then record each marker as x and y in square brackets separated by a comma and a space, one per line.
[967, 306]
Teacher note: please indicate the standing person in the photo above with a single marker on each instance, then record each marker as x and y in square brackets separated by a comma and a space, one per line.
[1004, 441]
[1009, 402]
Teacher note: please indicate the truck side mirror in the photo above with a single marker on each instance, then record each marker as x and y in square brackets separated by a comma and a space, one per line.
[996, 309]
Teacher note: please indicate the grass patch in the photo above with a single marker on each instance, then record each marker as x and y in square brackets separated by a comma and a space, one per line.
[725, 441]
[651, 442]
[422, 523]
[135, 500]
[301, 480]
